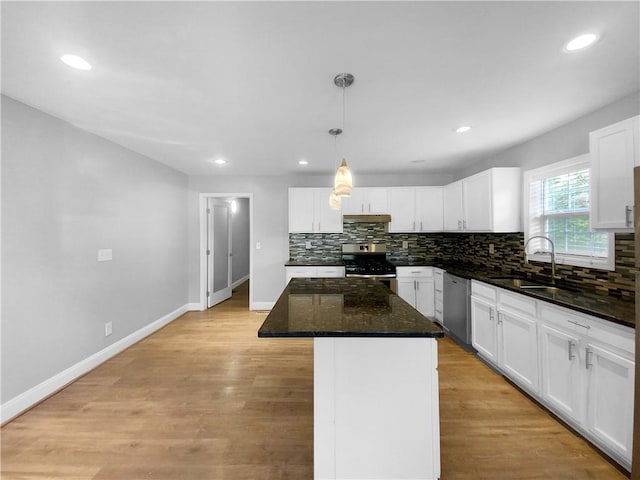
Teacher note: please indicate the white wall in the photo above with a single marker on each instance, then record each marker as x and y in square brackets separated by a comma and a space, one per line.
[240, 248]
[564, 142]
[65, 194]
[271, 221]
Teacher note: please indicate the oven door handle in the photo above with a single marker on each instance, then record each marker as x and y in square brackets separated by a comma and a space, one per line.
[374, 275]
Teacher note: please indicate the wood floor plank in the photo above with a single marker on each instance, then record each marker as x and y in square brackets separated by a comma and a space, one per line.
[205, 399]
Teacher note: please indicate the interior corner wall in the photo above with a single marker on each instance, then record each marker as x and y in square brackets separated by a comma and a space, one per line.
[65, 194]
[240, 240]
[562, 143]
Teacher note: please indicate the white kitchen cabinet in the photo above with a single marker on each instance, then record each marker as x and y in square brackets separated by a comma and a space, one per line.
[415, 209]
[366, 200]
[518, 339]
[415, 286]
[614, 151]
[486, 202]
[484, 330]
[313, 272]
[429, 209]
[560, 371]
[438, 287]
[610, 381]
[583, 365]
[309, 211]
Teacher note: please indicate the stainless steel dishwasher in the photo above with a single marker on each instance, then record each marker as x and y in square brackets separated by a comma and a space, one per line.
[457, 309]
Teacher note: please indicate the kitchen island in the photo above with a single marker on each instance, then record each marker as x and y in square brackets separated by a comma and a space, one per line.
[376, 410]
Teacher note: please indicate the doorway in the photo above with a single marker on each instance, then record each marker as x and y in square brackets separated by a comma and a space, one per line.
[226, 232]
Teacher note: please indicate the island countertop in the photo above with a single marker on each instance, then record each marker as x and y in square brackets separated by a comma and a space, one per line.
[344, 307]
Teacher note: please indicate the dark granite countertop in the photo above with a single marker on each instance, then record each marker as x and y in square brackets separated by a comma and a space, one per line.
[607, 307]
[314, 263]
[344, 307]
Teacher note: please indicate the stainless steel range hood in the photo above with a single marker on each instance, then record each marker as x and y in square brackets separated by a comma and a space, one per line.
[364, 218]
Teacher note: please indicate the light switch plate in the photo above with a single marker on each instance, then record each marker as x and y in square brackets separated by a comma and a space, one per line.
[492, 249]
[105, 255]
[258, 246]
[307, 244]
[108, 329]
[405, 244]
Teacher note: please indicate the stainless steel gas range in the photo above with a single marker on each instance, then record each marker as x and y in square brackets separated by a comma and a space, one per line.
[369, 260]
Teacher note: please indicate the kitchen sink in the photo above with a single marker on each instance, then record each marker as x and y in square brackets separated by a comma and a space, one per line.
[524, 284]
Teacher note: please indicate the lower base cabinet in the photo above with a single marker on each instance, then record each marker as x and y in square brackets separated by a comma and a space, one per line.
[415, 286]
[313, 272]
[580, 367]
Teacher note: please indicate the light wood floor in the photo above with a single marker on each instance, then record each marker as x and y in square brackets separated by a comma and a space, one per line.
[205, 399]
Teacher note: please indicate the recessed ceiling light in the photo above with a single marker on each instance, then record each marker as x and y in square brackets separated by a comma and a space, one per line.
[418, 161]
[462, 129]
[74, 61]
[303, 162]
[581, 41]
[219, 161]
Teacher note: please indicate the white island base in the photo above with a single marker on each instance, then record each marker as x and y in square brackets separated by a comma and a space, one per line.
[376, 408]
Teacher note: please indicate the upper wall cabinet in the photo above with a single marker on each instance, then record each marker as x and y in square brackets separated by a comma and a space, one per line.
[415, 209]
[614, 151]
[486, 202]
[309, 211]
[365, 200]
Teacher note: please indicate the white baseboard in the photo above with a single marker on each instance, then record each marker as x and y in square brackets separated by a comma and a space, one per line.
[15, 406]
[239, 282]
[262, 305]
[194, 307]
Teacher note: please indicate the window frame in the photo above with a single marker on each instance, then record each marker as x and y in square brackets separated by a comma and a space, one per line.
[551, 170]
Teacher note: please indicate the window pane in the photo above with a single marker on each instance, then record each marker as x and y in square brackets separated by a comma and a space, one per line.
[571, 235]
[567, 193]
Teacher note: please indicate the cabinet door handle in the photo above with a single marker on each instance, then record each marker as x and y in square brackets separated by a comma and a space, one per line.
[420, 225]
[491, 314]
[579, 324]
[459, 225]
[464, 224]
[499, 318]
[571, 354]
[414, 226]
[588, 357]
[319, 227]
[369, 208]
[362, 208]
[628, 215]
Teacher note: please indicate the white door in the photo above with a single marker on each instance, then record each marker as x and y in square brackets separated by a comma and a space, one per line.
[610, 398]
[561, 376]
[453, 206]
[518, 353]
[402, 207]
[218, 252]
[483, 329]
[477, 202]
[425, 296]
[429, 209]
[407, 290]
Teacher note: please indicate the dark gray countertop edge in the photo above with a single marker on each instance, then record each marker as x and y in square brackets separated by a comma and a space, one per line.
[439, 334]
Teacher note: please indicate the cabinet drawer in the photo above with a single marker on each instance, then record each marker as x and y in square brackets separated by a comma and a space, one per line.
[413, 272]
[483, 290]
[514, 301]
[301, 272]
[330, 272]
[618, 336]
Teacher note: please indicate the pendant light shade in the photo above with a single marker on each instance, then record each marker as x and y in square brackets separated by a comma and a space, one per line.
[343, 183]
[335, 202]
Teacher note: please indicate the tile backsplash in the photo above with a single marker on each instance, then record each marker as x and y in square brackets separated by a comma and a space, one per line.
[472, 249]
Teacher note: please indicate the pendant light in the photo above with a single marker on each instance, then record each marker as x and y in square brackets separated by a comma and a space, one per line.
[335, 202]
[343, 183]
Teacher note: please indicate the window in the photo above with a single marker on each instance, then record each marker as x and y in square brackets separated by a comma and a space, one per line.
[557, 206]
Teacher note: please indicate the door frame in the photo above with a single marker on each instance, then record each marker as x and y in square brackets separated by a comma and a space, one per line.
[203, 242]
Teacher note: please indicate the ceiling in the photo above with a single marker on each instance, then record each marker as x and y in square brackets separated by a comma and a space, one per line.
[252, 82]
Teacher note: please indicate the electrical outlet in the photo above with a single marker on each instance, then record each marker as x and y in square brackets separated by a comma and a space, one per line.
[492, 249]
[405, 245]
[307, 244]
[108, 329]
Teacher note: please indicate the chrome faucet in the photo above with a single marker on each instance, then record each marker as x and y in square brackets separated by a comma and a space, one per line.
[552, 253]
